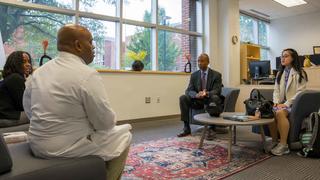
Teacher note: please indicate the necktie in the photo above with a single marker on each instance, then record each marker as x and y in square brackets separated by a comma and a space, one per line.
[203, 81]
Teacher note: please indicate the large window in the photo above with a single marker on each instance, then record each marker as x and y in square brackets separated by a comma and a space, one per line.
[105, 7]
[138, 10]
[67, 4]
[172, 49]
[255, 31]
[263, 33]
[159, 35]
[183, 14]
[248, 29]
[104, 39]
[25, 29]
[137, 43]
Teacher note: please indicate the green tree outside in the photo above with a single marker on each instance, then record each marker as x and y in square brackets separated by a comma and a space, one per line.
[36, 26]
[168, 51]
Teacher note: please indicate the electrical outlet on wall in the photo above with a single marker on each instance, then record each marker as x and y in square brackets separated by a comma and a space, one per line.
[158, 99]
[148, 100]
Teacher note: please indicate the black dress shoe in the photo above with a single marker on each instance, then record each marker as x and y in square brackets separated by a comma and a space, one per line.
[184, 133]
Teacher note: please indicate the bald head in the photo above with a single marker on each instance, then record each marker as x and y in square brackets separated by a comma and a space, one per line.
[76, 40]
[203, 61]
[69, 33]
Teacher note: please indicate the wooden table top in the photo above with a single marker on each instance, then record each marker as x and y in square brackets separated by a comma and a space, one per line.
[205, 118]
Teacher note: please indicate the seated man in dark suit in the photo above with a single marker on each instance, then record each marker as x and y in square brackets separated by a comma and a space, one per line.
[204, 87]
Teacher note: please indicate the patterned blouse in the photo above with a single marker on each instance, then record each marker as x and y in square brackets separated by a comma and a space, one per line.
[286, 78]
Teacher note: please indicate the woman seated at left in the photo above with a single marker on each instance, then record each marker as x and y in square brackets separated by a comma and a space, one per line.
[15, 71]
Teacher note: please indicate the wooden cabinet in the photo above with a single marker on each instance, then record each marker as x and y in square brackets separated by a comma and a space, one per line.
[248, 53]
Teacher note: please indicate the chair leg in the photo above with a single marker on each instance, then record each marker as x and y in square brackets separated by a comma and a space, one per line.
[234, 134]
[263, 137]
[229, 144]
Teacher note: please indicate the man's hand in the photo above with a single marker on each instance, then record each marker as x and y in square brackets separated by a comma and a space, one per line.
[202, 94]
[206, 93]
[199, 95]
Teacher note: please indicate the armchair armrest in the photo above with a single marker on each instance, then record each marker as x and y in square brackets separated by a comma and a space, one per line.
[305, 103]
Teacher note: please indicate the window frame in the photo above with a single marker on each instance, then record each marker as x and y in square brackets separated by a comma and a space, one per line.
[256, 31]
[120, 21]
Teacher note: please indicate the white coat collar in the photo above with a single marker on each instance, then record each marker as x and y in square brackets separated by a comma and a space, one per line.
[67, 55]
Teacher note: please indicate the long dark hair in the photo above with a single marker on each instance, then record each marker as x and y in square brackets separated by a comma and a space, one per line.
[14, 64]
[296, 65]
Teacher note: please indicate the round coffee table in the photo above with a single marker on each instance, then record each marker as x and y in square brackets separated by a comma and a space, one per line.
[207, 120]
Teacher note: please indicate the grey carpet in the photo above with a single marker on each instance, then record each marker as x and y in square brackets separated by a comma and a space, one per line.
[283, 167]
[289, 167]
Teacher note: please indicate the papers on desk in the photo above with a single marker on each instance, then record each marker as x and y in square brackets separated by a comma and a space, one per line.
[15, 137]
[240, 118]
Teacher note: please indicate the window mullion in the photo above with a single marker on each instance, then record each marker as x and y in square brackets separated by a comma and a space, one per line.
[154, 38]
[119, 29]
[76, 17]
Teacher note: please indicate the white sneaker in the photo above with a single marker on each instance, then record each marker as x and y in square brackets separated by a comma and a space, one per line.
[280, 150]
[269, 145]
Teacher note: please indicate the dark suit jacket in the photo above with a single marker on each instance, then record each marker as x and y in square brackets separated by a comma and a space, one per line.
[214, 83]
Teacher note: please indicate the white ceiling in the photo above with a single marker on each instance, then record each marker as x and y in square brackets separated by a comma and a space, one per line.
[276, 10]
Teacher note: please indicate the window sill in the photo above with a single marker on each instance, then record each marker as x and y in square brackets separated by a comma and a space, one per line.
[141, 72]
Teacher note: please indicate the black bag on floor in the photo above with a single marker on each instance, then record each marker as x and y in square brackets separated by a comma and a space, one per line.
[311, 138]
[256, 100]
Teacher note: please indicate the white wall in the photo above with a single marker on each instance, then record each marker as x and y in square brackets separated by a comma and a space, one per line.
[299, 32]
[221, 19]
[228, 53]
[127, 92]
[210, 40]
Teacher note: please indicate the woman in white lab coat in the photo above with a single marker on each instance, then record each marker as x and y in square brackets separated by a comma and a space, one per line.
[290, 81]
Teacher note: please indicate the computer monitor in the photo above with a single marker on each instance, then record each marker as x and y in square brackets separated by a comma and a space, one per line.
[259, 69]
[278, 63]
[301, 60]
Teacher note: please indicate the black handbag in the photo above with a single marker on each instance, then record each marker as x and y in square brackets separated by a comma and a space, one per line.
[214, 109]
[255, 101]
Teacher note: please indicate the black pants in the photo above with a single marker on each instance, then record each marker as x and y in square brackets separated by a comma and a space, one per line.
[186, 103]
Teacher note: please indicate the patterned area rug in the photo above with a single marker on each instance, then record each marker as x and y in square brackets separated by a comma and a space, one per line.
[180, 158]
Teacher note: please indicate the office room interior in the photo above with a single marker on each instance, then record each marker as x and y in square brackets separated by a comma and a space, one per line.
[245, 41]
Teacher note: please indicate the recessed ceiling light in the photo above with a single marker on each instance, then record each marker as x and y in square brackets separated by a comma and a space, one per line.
[291, 3]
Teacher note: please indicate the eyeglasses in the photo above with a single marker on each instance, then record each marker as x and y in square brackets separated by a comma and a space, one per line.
[284, 56]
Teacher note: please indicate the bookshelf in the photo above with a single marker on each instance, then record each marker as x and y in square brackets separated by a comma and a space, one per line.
[248, 53]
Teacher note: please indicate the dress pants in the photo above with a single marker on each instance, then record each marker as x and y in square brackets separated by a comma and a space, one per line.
[186, 102]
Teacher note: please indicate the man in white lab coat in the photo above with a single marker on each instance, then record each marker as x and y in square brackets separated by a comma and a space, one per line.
[68, 107]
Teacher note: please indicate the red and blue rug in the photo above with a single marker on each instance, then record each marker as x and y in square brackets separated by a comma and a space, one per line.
[180, 158]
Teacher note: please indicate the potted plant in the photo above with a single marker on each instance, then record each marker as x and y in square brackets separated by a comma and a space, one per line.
[137, 58]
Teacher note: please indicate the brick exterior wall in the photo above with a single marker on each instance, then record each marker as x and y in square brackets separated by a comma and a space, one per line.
[188, 44]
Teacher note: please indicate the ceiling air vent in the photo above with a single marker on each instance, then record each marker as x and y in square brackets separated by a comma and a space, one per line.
[260, 13]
